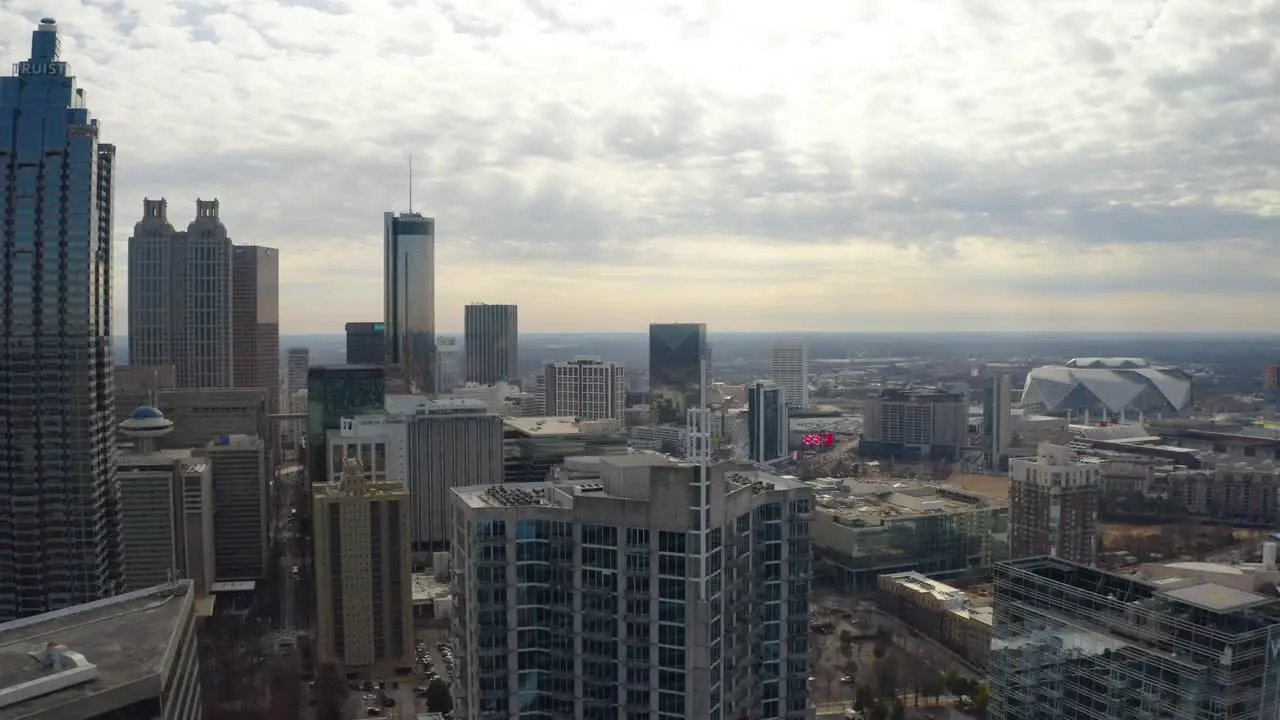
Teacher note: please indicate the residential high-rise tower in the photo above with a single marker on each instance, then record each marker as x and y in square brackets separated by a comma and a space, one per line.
[789, 368]
[997, 419]
[1053, 506]
[180, 295]
[59, 534]
[604, 576]
[491, 344]
[409, 300]
[584, 387]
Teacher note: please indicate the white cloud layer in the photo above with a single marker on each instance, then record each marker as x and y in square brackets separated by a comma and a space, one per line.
[895, 165]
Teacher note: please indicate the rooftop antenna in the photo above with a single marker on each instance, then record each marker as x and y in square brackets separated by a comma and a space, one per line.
[410, 183]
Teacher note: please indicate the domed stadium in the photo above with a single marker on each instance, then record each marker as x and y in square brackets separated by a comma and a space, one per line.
[1107, 385]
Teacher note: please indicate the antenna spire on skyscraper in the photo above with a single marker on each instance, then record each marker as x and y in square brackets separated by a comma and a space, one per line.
[410, 182]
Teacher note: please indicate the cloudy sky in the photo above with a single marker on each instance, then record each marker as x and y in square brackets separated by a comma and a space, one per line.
[809, 165]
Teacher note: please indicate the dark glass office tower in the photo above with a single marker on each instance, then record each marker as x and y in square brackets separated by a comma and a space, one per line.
[491, 343]
[409, 302]
[767, 422]
[335, 392]
[676, 354]
[366, 343]
[58, 533]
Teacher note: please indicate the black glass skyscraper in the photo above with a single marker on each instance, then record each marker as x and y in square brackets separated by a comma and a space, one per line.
[676, 355]
[58, 535]
[409, 302]
[366, 343]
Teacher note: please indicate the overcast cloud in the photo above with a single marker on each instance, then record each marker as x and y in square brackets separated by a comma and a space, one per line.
[817, 165]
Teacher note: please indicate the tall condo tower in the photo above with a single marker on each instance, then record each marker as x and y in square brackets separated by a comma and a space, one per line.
[997, 419]
[255, 319]
[584, 387]
[491, 344]
[180, 295]
[1053, 506]
[678, 363]
[58, 526]
[409, 298]
[789, 368]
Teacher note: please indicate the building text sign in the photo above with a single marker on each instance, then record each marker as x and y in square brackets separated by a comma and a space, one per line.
[23, 69]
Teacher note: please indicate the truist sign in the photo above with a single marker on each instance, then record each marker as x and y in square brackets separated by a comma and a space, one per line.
[23, 69]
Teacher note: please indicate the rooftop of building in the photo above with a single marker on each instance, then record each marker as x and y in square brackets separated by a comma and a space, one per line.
[880, 499]
[583, 476]
[366, 489]
[427, 588]
[126, 637]
[1196, 589]
[549, 426]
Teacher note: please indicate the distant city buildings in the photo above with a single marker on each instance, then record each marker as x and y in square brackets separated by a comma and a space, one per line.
[491, 344]
[789, 368]
[678, 366]
[409, 298]
[363, 573]
[366, 343]
[255, 320]
[449, 360]
[768, 428]
[297, 360]
[584, 387]
[997, 419]
[58, 528]
[1054, 506]
[914, 425]
[708, 619]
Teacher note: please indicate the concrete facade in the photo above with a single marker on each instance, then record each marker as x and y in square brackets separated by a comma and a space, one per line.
[364, 574]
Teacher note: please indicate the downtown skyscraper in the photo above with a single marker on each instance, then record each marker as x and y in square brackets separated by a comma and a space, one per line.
[491, 343]
[409, 298]
[677, 354]
[180, 294]
[59, 535]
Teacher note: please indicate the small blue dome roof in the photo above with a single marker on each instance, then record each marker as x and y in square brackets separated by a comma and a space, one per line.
[146, 412]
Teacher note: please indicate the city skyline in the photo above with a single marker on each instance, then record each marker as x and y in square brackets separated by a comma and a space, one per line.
[1053, 171]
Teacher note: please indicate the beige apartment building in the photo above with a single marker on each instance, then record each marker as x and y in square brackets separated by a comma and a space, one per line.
[363, 574]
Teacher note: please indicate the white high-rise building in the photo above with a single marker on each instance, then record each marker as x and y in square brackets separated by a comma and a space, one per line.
[789, 369]
[584, 387]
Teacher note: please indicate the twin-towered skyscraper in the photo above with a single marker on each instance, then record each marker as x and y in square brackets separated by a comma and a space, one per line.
[202, 304]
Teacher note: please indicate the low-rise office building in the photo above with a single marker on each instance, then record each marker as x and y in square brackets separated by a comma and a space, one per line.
[532, 446]
[944, 613]
[862, 530]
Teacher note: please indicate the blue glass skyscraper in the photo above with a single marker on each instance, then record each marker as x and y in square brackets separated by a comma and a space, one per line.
[59, 543]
